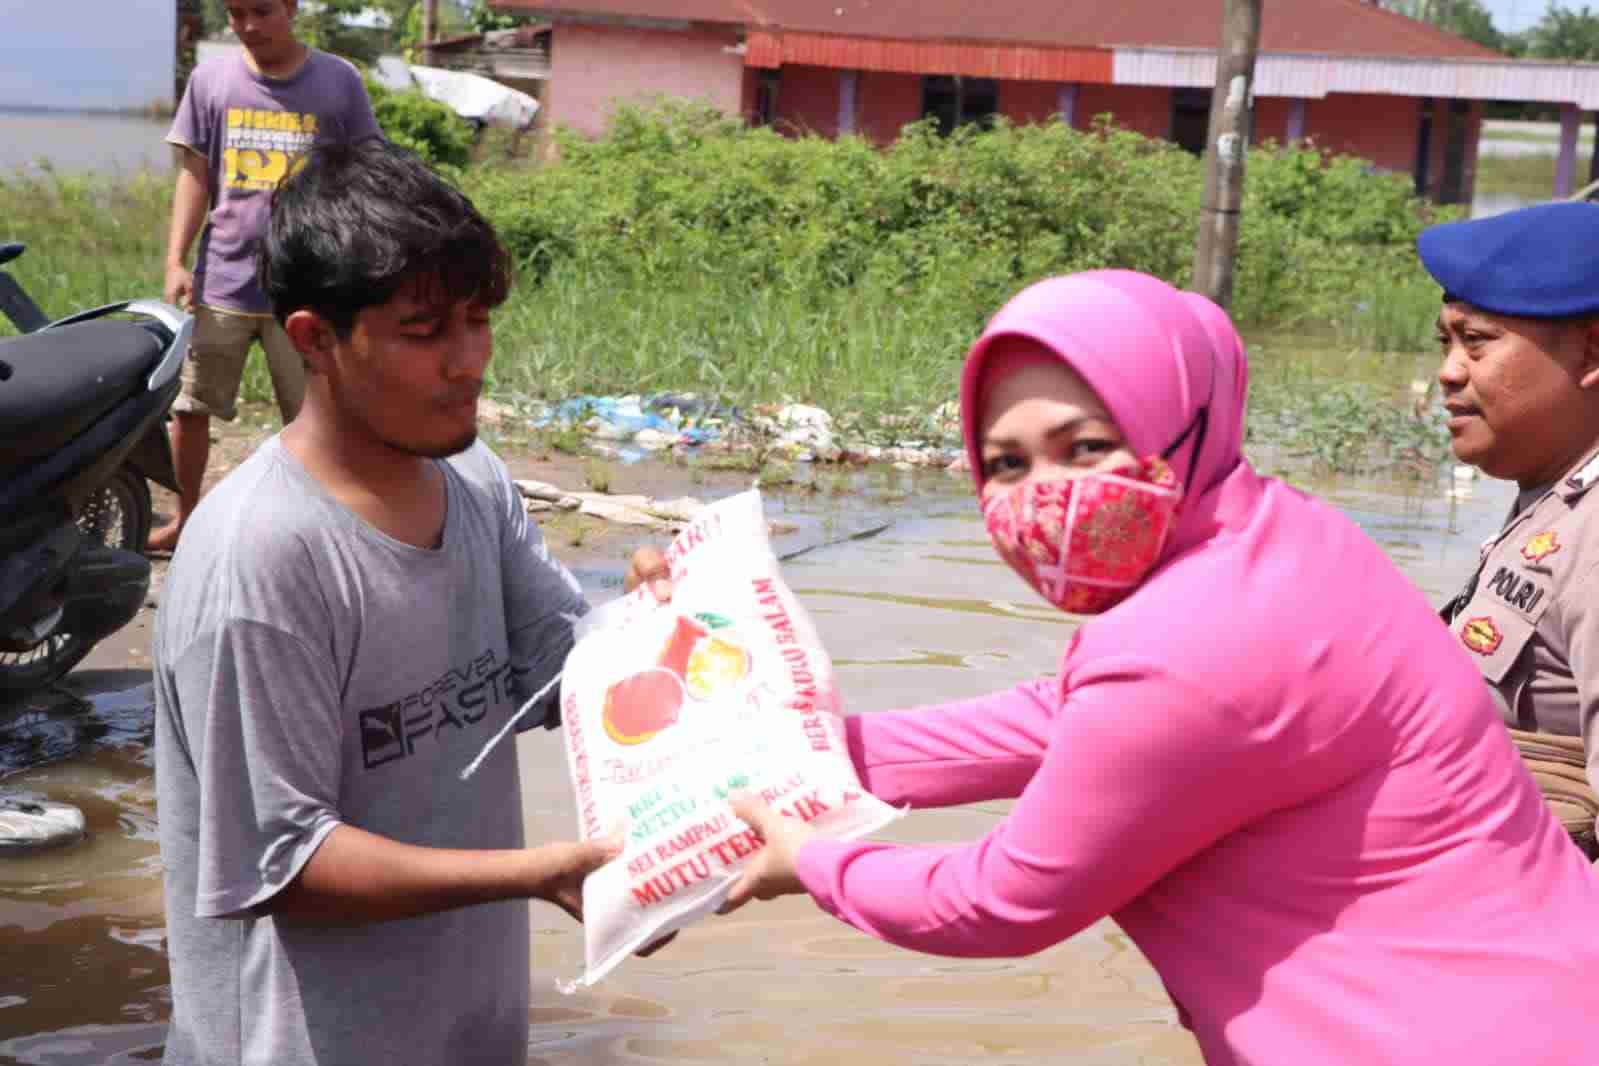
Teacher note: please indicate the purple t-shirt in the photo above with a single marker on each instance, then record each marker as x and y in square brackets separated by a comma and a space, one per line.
[250, 127]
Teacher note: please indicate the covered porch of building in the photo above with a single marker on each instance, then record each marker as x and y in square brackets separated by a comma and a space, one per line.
[1420, 115]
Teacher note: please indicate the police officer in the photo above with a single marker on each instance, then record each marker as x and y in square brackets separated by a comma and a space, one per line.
[1519, 332]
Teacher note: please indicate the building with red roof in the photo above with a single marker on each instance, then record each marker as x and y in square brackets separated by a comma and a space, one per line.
[1353, 77]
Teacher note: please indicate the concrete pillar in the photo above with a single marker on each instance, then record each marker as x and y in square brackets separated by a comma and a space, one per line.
[1566, 164]
[1066, 103]
[1296, 120]
[848, 85]
[1593, 157]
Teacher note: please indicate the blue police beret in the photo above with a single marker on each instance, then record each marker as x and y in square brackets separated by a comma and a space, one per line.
[1538, 262]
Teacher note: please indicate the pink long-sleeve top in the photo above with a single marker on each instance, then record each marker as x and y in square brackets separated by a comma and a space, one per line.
[1276, 771]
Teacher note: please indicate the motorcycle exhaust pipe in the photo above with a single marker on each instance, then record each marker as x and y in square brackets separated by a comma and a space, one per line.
[33, 586]
[91, 594]
[106, 587]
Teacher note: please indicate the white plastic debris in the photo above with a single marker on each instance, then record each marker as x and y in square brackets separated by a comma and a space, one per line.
[28, 825]
[653, 439]
[629, 510]
[477, 98]
[800, 427]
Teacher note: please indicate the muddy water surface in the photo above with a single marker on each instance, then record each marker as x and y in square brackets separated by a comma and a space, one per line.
[919, 613]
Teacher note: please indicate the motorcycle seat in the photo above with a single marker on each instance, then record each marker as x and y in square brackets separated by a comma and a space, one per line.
[54, 384]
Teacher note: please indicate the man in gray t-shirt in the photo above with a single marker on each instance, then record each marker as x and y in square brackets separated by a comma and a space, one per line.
[353, 613]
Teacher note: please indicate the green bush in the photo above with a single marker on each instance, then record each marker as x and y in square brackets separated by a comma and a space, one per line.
[681, 195]
[427, 127]
[684, 193]
[1337, 199]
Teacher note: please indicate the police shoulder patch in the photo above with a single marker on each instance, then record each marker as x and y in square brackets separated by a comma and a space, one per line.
[1482, 635]
[1540, 547]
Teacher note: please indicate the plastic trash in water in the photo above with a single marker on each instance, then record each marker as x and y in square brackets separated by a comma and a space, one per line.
[651, 422]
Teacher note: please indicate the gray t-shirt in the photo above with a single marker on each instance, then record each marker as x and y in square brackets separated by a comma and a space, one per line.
[250, 127]
[312, 671]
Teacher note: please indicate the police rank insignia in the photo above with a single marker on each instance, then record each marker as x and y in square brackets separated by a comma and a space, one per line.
[1540, 547]
[1481, 635]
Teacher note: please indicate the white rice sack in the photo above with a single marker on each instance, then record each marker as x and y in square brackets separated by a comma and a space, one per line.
[667, 709]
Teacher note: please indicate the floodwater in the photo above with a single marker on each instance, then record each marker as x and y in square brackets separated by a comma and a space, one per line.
[1511, 138]
[919, 613]
[72, 143]
[1497, 203]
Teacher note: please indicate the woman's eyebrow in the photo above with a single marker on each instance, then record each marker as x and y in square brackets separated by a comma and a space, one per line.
[1067, 426]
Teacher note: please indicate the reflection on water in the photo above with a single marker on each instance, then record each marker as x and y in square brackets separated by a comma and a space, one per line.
[84, 975]
[49, 728]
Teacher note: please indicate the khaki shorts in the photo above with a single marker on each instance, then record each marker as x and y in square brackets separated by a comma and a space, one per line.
[215, 367]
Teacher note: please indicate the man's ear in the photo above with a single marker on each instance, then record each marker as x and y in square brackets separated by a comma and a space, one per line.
[313, 335]
[1588, 377]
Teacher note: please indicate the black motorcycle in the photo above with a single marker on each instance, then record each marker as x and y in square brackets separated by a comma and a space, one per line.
[82, 406]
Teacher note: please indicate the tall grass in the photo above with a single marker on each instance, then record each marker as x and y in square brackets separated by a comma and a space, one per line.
[90, 241]
[1530, 177]
[1392, 316]
[583, 331]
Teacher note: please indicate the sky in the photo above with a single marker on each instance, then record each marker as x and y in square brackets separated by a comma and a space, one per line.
[86, 55]
[1513, 16]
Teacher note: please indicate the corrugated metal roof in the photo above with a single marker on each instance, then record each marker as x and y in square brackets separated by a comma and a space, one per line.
[1328, 27]
[1007, 61]
[1314, 76]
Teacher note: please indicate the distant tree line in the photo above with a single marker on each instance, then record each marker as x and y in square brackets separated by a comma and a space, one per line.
[1570, 33]
[330, 26]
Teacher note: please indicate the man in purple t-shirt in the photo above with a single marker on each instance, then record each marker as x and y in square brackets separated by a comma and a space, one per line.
[243, 120]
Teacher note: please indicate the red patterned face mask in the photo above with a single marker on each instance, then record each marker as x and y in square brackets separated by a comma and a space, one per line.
[1085, 543]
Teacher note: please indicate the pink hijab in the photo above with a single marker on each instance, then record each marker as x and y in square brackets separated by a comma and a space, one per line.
[1154, 354]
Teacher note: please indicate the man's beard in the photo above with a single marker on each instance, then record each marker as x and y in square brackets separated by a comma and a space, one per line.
[436, 451]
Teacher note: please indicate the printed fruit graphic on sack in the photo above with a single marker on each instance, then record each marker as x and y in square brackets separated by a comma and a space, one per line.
[717, 662]
[693, 662]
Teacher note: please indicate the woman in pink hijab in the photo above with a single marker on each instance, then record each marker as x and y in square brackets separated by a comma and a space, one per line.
[1263, 757]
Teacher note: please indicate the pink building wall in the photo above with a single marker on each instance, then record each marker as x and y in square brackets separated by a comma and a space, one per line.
[592, 68]
[1026, 102]
[1379, 128]
[808, 99]
[1142, 108]
[1271, 119]
[887, 103]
